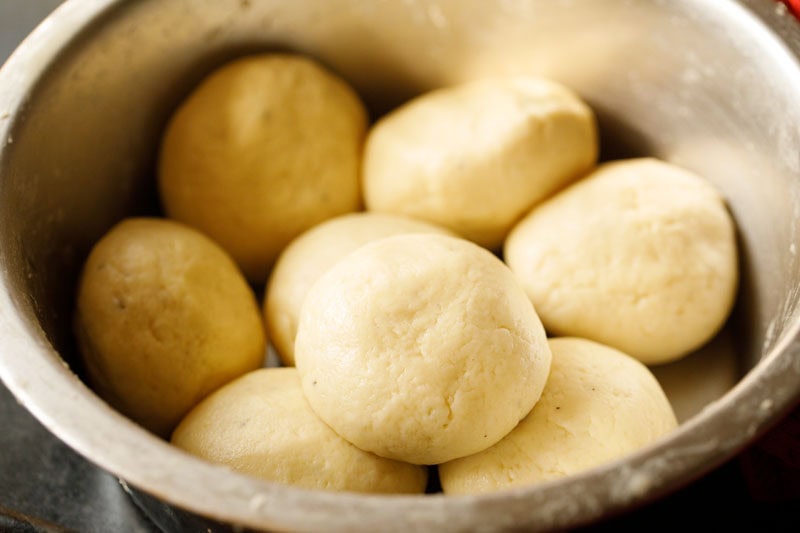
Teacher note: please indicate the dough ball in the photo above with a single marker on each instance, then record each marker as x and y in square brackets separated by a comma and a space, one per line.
[260, 424]
[599, 404]
[476, 157]
[640, 255]
[266, 147]
[421, 348]
[310, 255]
[163, 318]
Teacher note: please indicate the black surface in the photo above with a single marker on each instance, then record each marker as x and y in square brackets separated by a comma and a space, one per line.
[45, 486]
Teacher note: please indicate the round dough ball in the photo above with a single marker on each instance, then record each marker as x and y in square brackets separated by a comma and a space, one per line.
[421, 348]
[163, 318]
[640, 255]
[310, 255]
[599, 404]
[477, 157]
[264, 148]
[260, 424]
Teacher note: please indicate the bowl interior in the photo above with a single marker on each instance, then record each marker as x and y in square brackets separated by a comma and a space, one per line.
[703, 85]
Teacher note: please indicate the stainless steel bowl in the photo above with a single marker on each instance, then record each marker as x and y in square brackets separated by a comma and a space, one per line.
[713, 86]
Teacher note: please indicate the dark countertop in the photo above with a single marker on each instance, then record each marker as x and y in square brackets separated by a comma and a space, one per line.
[45, 486]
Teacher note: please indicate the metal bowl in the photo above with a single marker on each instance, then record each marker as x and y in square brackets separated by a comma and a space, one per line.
[712, 86]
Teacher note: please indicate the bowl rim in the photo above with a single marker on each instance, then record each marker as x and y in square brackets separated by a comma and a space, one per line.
[45, 386]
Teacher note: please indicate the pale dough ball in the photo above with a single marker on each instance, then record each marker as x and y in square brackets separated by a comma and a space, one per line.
[640, 255]
[310, 255]
[264, 148]
[599, 404]
[260, 424]
[476, 157]
[163, 318]
[421, 348]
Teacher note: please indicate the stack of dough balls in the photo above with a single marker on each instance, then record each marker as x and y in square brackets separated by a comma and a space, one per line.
[422, 348]
[419, 327]
[314, 252]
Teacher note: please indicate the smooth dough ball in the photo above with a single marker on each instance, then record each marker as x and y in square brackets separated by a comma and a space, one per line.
[163, 318]
[599, 404]
[310, 255]
[476, 157]
[640, 255]
[260, 424]
[421, 348]
[264, 148]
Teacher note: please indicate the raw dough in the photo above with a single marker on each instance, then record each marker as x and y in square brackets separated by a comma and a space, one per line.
[476, 157]
[266, 147]
[163, 318]
[598, 405]
[640, 255]
[262, 425]
[310, 255]
[421, 348]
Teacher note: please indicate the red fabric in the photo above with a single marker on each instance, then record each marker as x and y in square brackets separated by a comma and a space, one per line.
[794, 5]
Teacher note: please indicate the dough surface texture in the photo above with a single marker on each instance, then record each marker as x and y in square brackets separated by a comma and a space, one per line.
[476, 157]
[310, 255]
[599, 404]
[421, 348]
[640, 255]
[260, 424]
[163, 318]
[264, 148]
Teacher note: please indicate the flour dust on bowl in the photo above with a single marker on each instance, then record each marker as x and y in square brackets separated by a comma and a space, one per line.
[711, 86]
